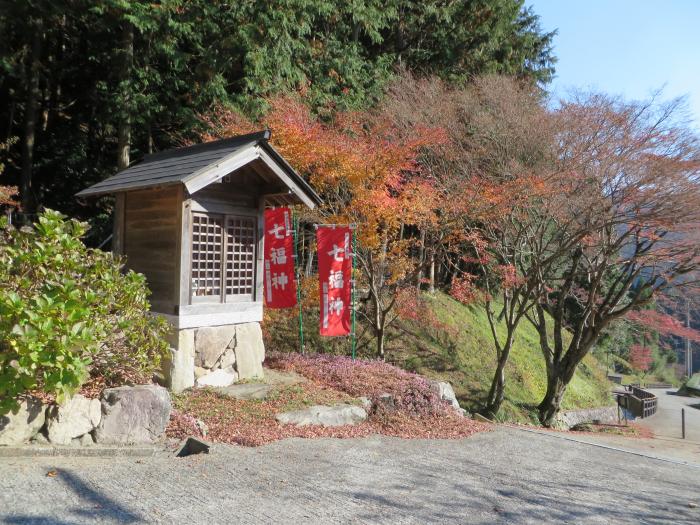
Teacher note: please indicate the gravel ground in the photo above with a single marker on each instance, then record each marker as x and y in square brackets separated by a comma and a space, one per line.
[503, 476]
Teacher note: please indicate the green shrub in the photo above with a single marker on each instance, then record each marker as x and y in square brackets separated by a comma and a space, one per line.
[68, 313]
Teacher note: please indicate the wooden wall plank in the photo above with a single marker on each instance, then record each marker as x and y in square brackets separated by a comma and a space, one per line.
[151, 242]
[118, 227]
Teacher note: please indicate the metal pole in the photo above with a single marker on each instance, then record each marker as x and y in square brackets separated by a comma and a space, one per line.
[683, 422]
[354, 339]
[295, 221]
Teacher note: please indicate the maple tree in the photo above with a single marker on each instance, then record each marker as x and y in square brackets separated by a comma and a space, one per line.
[640, 357]
[366, 171]
[491, 173]
[621, 225]
[663, 323]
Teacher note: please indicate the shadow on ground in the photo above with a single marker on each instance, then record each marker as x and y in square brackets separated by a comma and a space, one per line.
[94, 506]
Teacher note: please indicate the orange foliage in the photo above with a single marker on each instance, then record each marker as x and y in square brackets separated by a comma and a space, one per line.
[366, 170]
[6, 196]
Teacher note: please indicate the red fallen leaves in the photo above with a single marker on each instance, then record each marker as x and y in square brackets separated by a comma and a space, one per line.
[253, 423]
[371, 378]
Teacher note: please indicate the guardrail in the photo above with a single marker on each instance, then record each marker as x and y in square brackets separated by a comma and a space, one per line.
[638, 401]
[652, 385]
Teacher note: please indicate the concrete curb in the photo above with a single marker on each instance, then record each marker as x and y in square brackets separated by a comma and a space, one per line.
[37, 451]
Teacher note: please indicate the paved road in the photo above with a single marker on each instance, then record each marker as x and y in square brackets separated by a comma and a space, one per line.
[504, 476]
[667, 420]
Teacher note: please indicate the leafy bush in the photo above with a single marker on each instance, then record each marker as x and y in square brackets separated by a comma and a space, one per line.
[68, 312]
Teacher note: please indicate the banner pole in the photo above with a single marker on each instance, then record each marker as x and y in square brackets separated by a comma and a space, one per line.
[295, 221]
[354, 250]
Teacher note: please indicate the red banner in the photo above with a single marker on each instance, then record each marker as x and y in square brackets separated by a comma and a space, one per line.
[334, 273]
[279, 287]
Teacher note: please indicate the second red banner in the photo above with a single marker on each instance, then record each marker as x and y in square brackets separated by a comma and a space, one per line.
[335, 274]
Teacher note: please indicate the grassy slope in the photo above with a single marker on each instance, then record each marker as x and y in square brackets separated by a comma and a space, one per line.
[467, 360]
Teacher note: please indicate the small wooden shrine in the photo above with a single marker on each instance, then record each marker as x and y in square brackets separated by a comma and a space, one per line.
[191, 220]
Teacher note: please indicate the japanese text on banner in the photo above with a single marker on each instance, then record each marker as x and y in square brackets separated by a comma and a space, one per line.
[279, 285]
[334, 273]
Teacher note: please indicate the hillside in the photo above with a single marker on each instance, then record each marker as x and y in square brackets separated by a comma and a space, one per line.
[461, 352]
[452, 342]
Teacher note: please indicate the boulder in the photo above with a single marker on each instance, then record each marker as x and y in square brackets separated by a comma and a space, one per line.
[327, 416]
[200, 372]
[211, 342]
[366, 402]
[218, 378]
[193, 446]
[74, 418]
[19, 428]
[178, 368]
[247, 391]
[479, 417]
[133, 414]
[384, 403]
[570, 418]
[250, 350]
[446, 393]
[40, 439]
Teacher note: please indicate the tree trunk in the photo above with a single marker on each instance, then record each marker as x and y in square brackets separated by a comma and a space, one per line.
[379, 327]
[33, 93]
[431, 274]
[124, 126]
[380, 342]
[558, 378]
[497, 391]
[421, 260]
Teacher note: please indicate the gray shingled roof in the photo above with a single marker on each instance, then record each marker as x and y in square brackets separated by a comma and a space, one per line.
[178, 165]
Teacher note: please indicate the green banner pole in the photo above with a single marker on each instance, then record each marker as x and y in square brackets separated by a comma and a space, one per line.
[354, 338]
[298, 276]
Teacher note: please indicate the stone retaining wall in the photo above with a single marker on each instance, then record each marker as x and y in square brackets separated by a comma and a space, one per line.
[571, 418]
[124, 415]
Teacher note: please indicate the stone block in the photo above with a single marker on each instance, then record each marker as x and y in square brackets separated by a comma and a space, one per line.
[218, 378]
[327, 416]
[178, 369]
[211, 342]
[250, 350]
[384, 403]
[133, 414]
[19, 428]
[228, 359]
[446, 393]
[73, 419]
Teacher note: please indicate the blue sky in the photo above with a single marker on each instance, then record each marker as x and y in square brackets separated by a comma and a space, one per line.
[626, 47]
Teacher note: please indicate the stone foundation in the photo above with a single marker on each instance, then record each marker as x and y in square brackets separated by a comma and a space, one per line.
[572, 418]
[233, 352]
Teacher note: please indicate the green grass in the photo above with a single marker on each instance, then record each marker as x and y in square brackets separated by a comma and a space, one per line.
[464, 355]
